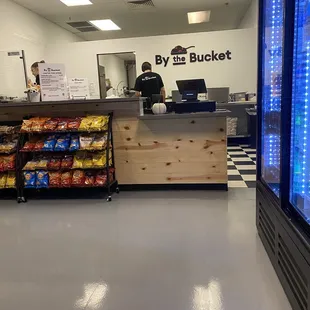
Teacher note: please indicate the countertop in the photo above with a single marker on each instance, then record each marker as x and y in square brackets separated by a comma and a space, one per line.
[67, 102]
[218, 113]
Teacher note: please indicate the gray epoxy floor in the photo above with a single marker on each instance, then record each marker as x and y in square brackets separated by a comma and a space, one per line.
[143, 251]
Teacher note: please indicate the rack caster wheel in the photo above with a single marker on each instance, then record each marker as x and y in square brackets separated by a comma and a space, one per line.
[117, 190]
[109, 199]
[21, 200]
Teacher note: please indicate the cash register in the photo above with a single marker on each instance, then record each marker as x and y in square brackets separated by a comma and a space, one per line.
[189, 89]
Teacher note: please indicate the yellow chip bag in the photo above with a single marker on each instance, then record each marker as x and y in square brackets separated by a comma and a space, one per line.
[78, 161]
[88, 162]
[85, 123]
[11, 180]
[3, 177]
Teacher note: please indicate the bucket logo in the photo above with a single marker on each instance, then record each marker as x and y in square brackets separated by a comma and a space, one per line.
[179, 56]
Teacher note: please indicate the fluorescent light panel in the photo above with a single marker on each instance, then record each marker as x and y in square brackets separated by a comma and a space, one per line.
[76, 2]
[105, 24]
[198, 17]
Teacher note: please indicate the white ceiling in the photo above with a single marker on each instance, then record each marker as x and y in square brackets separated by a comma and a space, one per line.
[167, 17]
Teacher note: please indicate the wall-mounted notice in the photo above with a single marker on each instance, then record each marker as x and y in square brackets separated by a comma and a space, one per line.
[53, 82]
[79, 88]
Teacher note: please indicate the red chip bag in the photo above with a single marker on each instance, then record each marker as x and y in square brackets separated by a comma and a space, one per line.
[90, 179]
[78, 178]
[74, 123]
[66, 179]
[54, 163]
[67, 162]
[101, 179]
[55, 179]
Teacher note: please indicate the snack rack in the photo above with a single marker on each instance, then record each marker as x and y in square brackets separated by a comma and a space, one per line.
[9, 145]
[102, 176]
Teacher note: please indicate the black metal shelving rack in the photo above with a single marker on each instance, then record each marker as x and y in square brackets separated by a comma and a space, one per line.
[23, 156]
[16, 169]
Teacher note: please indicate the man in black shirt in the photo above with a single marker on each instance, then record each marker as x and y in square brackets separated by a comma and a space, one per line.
[149, 83]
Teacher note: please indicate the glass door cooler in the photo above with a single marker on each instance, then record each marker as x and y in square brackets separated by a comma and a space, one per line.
[283, 159]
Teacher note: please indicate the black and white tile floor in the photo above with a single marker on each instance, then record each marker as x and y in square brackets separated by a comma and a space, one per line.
[241, 162]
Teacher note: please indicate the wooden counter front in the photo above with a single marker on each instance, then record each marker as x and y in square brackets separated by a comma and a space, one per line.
[185, 149]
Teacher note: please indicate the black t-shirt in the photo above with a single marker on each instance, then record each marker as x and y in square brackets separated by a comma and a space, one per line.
[38, 79]
[149, 83]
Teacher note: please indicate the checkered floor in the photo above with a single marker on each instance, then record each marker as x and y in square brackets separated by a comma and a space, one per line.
[241, 162]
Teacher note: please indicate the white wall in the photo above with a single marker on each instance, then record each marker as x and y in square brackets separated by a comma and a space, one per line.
[239, 73]
[250, 19]
[22, 29]
[114, 70]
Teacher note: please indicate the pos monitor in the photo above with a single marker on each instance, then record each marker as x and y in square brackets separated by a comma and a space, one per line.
[190, 89]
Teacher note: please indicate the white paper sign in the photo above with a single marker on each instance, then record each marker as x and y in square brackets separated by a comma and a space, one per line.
[53, 82]
[79, 88]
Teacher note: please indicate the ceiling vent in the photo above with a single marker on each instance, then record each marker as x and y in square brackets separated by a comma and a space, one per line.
[138, 4]
[83, 26]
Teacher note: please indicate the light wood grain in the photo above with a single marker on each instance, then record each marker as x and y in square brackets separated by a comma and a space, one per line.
[168, 151]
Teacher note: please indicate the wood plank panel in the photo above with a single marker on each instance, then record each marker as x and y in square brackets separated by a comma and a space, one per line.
[172, 168]
[173, 156]
[131, 126]
[185, 178]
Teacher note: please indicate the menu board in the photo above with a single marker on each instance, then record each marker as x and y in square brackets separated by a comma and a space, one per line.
[53, 82]
[79, 88]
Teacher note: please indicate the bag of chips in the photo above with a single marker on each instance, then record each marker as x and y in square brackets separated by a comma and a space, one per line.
[99, 160]
[38, 123]
[50, 125]
[62, 143]
[78, 161]
[90, 178]
[39, 145]
[75, 144]
[101, 179]
[62, 124]
[67, 162]
[42, 164]
[99, 142]
[1, 163]
[88, 161]
[9, 162]
[54, 163]
[66, 179]
[26, 126]
[97, 123]
[30, 179]
[55, 179]
[78, 178]
[42, 179]
[85, 123]
[11, 180]
[86, 141]
[3, 177]
[31, 165]
[49, 143]
[74, 123]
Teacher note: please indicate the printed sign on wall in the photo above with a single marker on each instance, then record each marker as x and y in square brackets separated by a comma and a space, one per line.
[179, 56]
[79, 88]
[53, 82]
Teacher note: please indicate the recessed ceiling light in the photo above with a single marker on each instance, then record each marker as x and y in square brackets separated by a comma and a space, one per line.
[76, 2]
[105, 24]
[198, 17]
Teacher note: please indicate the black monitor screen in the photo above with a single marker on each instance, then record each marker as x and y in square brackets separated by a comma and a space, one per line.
[198, 85]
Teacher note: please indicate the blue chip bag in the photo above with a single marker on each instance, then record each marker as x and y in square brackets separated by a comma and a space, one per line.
[75, 143]
[62, 144]
[42, 179]
[30, 179]
[49, 143]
